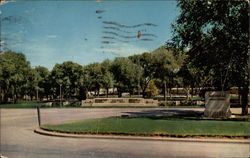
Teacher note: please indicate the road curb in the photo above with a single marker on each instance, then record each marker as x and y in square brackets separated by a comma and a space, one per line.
[146, 138]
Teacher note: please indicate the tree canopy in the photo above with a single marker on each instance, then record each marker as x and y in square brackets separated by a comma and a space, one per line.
[215, 35]
[14, 72]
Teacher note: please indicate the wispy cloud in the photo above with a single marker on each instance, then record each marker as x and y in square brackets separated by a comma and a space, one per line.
[51, 36]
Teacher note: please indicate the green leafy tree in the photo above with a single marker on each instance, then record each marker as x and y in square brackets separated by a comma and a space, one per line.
[146, 61]
[193, 78]
[151, 89]
[43, 84]
[167, 64]
[68, 75]
[93, 77]
[7, 69]
[107, 76]
[14, 70]
[87, 81]
[125, 74]
[216, 35]
[32, 87]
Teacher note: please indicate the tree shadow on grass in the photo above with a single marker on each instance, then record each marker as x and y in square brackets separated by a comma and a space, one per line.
[178, 114]
[166, 114]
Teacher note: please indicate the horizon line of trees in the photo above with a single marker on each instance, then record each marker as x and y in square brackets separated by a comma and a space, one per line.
[132, 74]
[162, 69]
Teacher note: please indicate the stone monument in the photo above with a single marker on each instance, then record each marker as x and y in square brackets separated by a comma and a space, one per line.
[217, 104]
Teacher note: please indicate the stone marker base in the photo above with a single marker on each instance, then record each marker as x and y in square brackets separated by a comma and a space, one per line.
[217, 104]
[217, 114]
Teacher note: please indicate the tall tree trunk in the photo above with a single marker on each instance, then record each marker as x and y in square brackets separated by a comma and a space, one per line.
[144, 87]
[192, 91]
[37, 95]
[119, 94]
[107, 92]
[98, 93]
[245, 100]
[86, 94]
[15, 95]
[164, 91]
[143, 92]
[188, 89]
[239, 95]
[170, 94]
[2, 96]
[171, 85]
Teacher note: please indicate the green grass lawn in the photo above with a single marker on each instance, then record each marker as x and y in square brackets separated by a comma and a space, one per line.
[22, 104]
[155, 126]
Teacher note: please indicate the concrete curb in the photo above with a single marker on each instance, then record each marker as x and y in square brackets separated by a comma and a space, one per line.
[96, 136]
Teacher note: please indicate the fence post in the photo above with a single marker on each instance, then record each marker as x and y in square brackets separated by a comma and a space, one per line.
[39, 116]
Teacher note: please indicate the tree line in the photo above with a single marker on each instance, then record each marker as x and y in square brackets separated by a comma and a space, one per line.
[208, 49]
[145, 74]
[130, 74]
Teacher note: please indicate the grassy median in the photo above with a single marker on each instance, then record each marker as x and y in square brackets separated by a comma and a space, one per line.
[166, 126]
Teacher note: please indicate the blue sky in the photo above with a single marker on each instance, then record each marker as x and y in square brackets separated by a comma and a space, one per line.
[50, 32]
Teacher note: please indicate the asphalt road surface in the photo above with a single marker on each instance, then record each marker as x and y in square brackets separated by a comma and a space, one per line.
[19, 141]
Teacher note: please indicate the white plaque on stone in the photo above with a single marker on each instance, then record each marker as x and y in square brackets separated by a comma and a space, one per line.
[217, 104]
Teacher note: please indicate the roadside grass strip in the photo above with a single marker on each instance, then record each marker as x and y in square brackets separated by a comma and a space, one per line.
[150, 126]
[22, 104]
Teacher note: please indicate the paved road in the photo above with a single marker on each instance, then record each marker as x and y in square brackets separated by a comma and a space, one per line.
[19, 141]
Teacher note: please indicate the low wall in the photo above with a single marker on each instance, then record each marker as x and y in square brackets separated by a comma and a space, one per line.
[119, 102]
